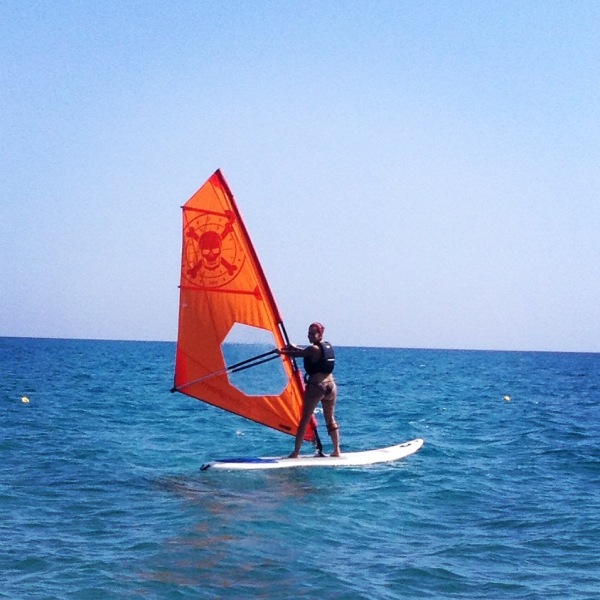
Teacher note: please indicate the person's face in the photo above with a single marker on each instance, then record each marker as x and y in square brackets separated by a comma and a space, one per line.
[314, 335]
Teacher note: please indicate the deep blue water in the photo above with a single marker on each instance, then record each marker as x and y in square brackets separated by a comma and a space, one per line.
[101, 494]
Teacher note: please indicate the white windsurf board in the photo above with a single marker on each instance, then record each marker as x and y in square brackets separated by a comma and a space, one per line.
[347, 459]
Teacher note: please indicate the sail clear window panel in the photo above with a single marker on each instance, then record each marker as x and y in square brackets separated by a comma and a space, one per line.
[244, 342]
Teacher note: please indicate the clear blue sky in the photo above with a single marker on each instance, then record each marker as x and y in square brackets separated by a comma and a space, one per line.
[413, 174]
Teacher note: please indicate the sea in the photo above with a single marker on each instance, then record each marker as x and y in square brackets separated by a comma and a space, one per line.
[101, 493]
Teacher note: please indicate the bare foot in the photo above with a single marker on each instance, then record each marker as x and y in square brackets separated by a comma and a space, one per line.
[293, 455]
[336, 454]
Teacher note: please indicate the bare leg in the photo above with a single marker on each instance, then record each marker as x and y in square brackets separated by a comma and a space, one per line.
[335, 438]
[312, 396]
[332, 427]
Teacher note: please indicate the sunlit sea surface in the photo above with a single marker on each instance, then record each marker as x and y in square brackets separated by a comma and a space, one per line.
[101, 494]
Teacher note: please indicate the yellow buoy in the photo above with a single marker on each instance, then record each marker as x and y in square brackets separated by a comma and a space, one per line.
[506, 398]
[25, 400]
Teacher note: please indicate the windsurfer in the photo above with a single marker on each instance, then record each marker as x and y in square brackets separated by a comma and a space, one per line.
[320, 385]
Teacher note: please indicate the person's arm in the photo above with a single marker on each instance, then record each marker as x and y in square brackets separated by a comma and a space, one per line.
[297, 352]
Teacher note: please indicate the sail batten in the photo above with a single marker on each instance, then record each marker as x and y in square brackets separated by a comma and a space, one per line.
[222, 289]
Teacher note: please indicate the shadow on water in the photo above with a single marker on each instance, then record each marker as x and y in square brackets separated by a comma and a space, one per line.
[238, 531]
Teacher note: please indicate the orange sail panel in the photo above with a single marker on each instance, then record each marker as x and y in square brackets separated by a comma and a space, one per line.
[223, 287]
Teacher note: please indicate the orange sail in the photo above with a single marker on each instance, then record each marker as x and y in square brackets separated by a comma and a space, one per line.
[223, 291]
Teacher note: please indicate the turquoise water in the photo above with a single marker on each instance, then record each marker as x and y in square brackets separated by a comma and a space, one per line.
[101, 494]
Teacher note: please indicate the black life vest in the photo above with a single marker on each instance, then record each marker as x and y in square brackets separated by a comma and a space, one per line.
[325, 364]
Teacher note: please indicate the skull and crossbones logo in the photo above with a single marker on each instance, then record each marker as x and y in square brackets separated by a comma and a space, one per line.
[214, 256]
